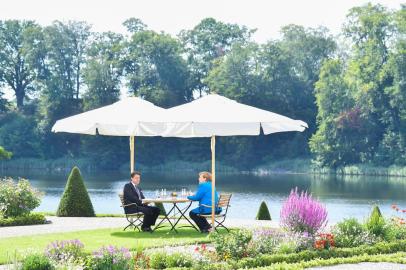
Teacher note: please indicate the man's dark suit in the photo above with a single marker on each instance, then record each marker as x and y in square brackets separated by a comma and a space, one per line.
[134, 194]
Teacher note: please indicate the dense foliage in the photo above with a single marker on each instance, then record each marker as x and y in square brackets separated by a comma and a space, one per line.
[17, 198]
[350, 91]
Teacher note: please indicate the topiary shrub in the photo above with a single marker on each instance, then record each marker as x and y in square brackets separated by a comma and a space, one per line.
[263, 212]
[376, 223]
[75, 201]
[161, 208]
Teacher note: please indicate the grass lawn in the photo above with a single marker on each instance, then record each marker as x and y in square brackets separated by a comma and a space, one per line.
[93, 239]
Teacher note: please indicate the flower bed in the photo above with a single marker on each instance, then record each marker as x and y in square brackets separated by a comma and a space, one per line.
[300, 243]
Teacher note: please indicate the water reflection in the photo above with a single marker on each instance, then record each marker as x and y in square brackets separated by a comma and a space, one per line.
[344, 196]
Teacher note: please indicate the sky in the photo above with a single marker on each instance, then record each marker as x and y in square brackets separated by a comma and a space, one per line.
[171, 16]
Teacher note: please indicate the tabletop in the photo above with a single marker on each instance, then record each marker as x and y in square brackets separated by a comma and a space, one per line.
[166, 200]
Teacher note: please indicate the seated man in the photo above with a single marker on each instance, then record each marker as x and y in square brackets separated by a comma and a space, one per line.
[133, 194]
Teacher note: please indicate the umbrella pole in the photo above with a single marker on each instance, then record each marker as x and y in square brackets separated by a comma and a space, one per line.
[131, 154]
[213, 177]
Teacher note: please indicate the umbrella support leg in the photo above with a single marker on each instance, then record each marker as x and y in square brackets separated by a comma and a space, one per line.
[213, 178]
[132, 154]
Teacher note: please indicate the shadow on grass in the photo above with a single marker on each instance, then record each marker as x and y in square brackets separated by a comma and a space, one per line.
[160, 233]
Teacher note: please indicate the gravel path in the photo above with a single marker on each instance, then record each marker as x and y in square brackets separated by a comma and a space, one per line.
[69, 224]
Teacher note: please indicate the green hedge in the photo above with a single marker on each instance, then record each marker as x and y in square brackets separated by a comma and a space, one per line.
[31, 219]
[393, 258]
[308, 255]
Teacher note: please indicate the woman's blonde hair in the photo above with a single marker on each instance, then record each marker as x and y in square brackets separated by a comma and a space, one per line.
[206, 175]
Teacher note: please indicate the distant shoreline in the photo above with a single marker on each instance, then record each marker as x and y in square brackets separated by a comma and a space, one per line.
[290, 166]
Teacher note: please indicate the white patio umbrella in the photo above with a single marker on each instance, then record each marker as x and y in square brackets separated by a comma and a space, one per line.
[214, 115]
[128, 117]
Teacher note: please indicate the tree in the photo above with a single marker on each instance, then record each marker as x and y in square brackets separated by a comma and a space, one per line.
[308, 48]
[18, 134]
[4, 154]
[360, 102]
[335, 142]
[103, 71]
[65, 47]
[75, 201]
[102, 79]
[155, 69]
[3, 103]
[205, 43]
[370, 27]
[15, 70]
[134, 25]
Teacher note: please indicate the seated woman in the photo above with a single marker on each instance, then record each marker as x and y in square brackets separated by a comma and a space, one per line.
[203, 196]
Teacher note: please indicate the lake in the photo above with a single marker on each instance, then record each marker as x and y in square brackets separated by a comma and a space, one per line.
[344, 197]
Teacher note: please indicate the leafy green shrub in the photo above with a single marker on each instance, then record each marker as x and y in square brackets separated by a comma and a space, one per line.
[36, 262]
[233, 245]
[395, 231]
[17, 199]
[287, 247]
[161, 208]
[179, 260]
[350, 233]
[75, 201]
[4, 154]
[376, 223]
[30, 219]
[158, 260]
[111, 258]
[266, 240]
[263, 212]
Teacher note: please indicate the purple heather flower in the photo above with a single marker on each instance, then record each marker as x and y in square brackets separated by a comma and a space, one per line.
[302, 213]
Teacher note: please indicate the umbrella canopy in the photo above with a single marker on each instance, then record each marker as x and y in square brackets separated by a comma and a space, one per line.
[128, 117]
[215, 115]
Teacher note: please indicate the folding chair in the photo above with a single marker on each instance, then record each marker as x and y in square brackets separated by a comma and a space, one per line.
[224, 202]
[133, 219]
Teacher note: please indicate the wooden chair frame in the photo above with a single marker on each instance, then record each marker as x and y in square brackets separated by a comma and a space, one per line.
[133, 219]
[224, 202]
